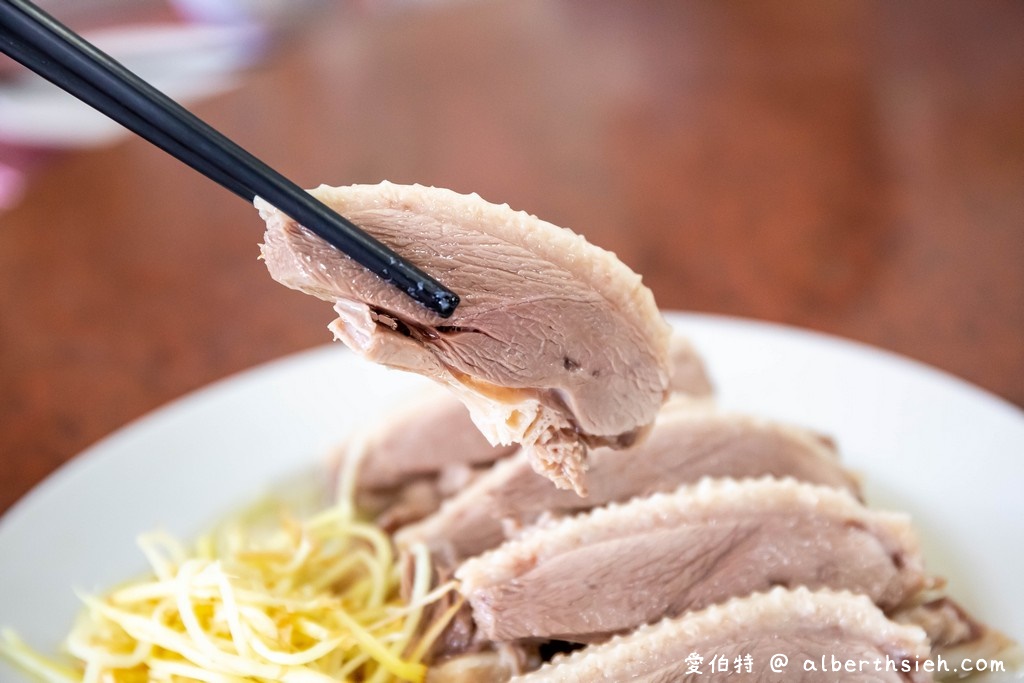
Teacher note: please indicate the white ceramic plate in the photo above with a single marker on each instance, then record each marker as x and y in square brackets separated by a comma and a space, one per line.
[925, 442]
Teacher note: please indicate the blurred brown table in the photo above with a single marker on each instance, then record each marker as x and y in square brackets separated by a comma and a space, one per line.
[856, 168]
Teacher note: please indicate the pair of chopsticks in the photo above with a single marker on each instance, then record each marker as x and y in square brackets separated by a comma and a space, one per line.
[37, 40]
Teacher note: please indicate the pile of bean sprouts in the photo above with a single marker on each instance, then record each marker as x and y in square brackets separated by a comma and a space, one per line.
[311, 601]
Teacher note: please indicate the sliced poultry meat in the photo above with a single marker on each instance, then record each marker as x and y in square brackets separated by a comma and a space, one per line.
[955, 635]
[556, 345]
[733, 532]
[487, 666]
[685, 446]
[612, 569]
[804, 626]
[689, 374]
[428, 433]
[432, 432]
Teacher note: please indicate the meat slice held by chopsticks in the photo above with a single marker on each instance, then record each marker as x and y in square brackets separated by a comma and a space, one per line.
[556, 344]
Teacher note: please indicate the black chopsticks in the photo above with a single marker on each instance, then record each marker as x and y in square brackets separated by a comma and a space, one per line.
[41, 43]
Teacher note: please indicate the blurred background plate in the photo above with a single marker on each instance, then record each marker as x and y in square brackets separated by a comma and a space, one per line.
[186, 61]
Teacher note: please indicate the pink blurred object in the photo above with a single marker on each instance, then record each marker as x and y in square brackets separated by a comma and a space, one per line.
[189, 49]
[12, 186]
[16, 165]
[188, 61]
[280, 14]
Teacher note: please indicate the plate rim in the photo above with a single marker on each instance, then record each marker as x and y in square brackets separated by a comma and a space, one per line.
[77, 461]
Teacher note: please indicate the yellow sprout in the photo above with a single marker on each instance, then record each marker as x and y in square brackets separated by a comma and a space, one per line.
[314, 601]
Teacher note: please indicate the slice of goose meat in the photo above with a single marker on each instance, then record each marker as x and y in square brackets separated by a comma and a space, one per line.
[432, 430]
[604, 572]
[819, 627]
[423, 435]
[556, 344]
[956, 636]
[487, 666]
[689, 374]
[685, 445]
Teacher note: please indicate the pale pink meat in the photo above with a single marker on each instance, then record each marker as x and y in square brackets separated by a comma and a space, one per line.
[799, 624]
[685, 445]
[556, 345]
[611, 569]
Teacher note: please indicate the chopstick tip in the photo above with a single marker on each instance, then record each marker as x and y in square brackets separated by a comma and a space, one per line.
[445, 303]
